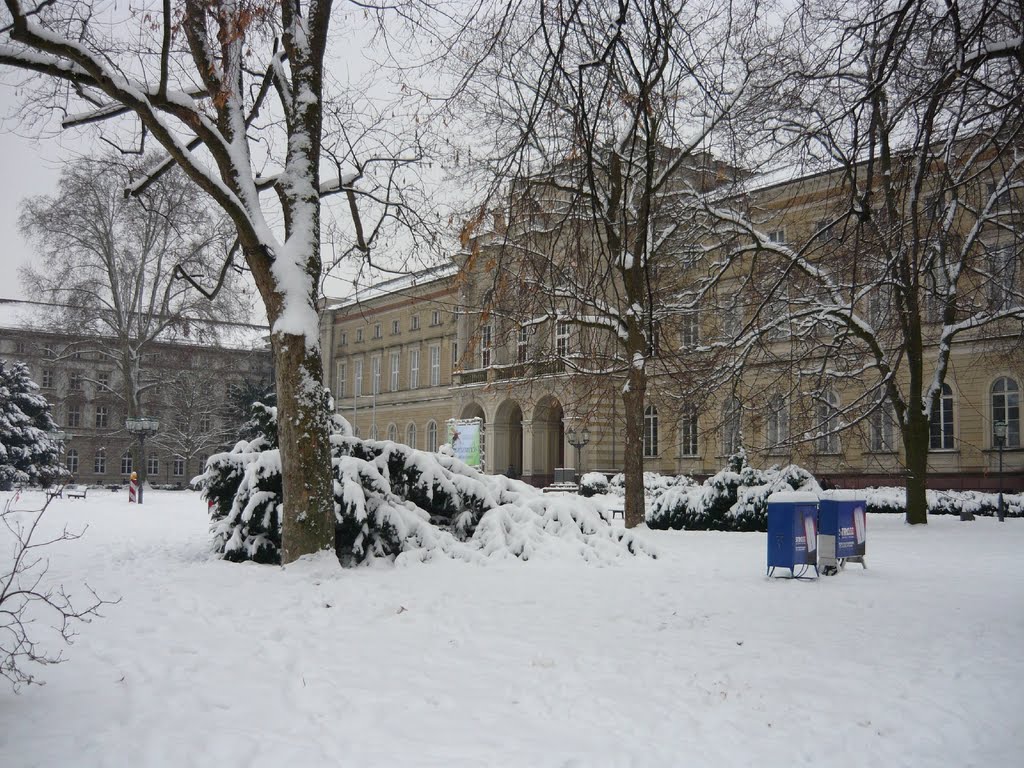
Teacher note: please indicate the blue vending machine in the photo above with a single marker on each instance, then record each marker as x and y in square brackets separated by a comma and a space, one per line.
[842, 529]
[793, 533]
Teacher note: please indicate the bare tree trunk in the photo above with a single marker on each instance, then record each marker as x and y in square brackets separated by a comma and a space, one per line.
[915, 441]
[633, 399]
[308, 515]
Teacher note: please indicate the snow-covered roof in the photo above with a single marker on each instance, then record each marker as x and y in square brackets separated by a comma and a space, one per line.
[395, 285]
[37, 316]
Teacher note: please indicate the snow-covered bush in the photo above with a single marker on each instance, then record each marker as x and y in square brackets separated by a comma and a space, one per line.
[593, 483]
[394, 502]
[28, 452]
[655, 483]
[735, 499]
[893, 501]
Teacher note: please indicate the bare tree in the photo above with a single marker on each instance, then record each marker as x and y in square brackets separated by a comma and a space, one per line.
[106, 265]
[27, 597]
[195, 421]
[901, 237]
[233, 92]
[605, 118]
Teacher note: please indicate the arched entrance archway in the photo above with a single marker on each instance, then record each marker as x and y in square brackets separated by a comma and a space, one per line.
[548, 440]
[474, 410]
[507, 439]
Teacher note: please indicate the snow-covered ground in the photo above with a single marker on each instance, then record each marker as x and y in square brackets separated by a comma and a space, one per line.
[693, 659]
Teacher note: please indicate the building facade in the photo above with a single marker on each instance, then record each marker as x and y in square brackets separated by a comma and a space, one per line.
[189, 388]
[528, 373]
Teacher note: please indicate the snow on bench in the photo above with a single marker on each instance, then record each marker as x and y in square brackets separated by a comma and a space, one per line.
[76, 491]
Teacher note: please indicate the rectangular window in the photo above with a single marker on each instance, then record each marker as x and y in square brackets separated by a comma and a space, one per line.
[74, 416]
[75, 381]
[688, 431]
[523, 345]
[19, 348]
[103, 381]
[455, 353]
[102, 417]
[179, 466]
[126, 463]
[777, 236]
[344, 340]
[414, 323]
[377, 331]
[152, 465]
[47, 378]
[414, 368]
[485, 346]
[435, 317]
[205, 423]
[941, 424]
[48, 351]
[689, 334]
[99, 464]
[435, 366]
[375, 375]
[341, 375]
[883, 422]
[1003, 267]
[357, 379]
[651, 431]
[359, 335]
[394, 328]
[561, 339]
[396, 362]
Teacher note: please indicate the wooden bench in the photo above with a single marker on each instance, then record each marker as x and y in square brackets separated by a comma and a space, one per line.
[76, 491]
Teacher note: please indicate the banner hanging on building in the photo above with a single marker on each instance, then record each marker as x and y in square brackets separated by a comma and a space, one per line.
[465, 436]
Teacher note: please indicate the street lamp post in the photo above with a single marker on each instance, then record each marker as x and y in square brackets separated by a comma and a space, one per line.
[999, 432]
[577, 440]
[142, 427]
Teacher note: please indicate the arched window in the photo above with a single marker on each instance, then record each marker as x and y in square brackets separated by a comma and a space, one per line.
[1006, 408]
[650, 431]
[410, 435]
[688, 431]
[393, 433]
[99, 463]
[152, 465]
[126, 463]
[71, 461]
[731, 435]
[942, 421]
[778, 422]
[431, 436]
[828, 423]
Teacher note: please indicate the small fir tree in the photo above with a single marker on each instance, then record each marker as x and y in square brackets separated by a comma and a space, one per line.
[28, 452]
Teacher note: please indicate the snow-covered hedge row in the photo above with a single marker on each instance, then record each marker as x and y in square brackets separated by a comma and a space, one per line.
[894, 501]
[655, 483]
[398, 503]
[735, 499]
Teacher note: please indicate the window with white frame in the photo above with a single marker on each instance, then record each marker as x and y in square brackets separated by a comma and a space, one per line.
[432, 436]
[523, 344]
[74, 415]
[1003, 268]
[344, 340]
[882, 427]
[102, 417]
[828, 423]
[99, 462]
[357, 379]
[103, 381]
[435, 365]
[689, 329]
[778, 422]
[410, 435]
[688, 430]
[340, 380]
[731, 424]
[393, 433]
[414, 323]
[359, 335]
[650, 431]
[47, 381]
[179, 466]
[126, 463]
[394, 328]
[435, 317]
[414, 368]
[485, 346]
[377, 334]
[375, 375]
[941, 436]
[71, 461]
[777, 236]
[396, 370]
[1006, 408]
[75, 381]
[152, 464]
[562, 338]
